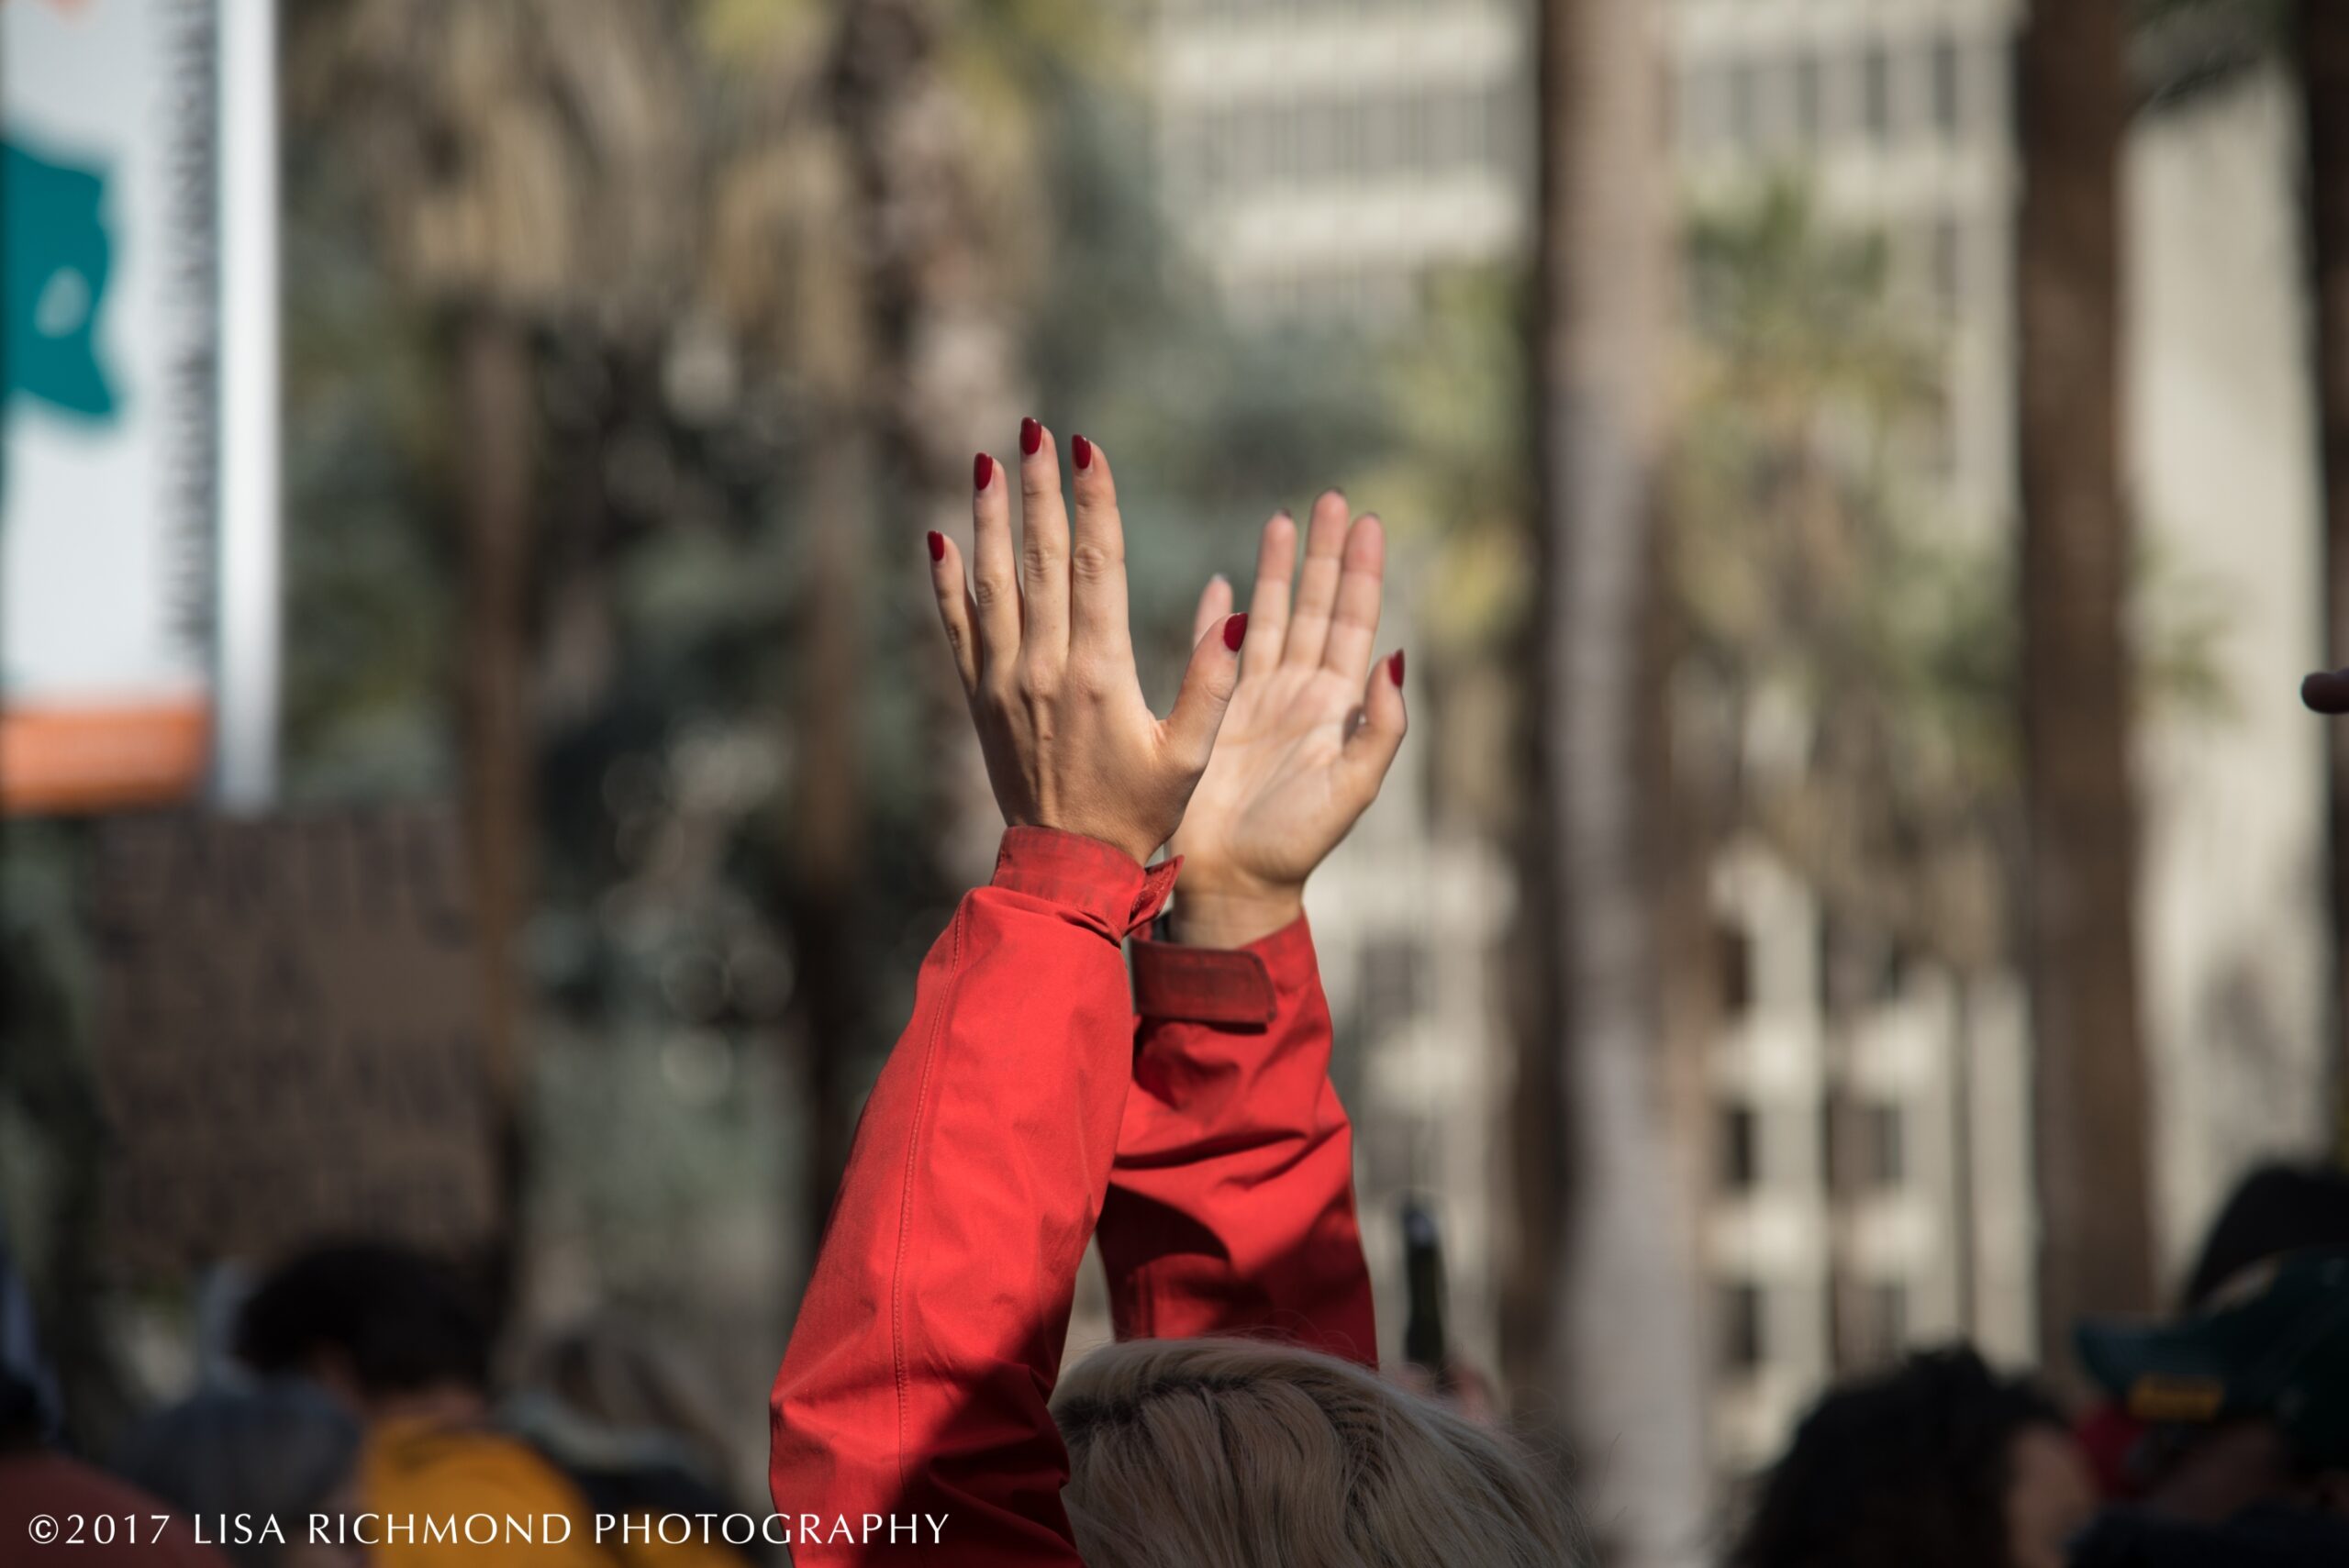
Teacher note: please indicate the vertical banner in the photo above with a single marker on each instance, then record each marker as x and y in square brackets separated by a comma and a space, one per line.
[108, 398]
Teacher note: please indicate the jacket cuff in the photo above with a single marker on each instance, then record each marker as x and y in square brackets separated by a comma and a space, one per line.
[1101, 882]
[1236, 987]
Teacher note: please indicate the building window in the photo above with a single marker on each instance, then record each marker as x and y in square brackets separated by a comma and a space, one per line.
[1886, 1329]
[1733, 960]
[1810, 106]
[1741, 1148]
[1948, 263]
[1887, 1153]
[1948, 88]
[1744, 101]
[1390, 981]
[1742, 1336]
[1704, 101]
[1876, 93]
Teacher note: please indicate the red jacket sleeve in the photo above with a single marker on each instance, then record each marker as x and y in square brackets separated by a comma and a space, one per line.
[1232, 1204]
[918, 1371]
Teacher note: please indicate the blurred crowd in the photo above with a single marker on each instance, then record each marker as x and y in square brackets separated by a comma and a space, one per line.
[359, 1402]
[360, 1390]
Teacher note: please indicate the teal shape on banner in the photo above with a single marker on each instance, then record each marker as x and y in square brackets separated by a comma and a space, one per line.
[58, 255]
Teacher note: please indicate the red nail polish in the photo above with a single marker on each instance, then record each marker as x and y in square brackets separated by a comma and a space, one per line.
[1235, 627]
[937, 545]
[1395, 668]
[1031, 435]
[1083, 450]
[982, 470]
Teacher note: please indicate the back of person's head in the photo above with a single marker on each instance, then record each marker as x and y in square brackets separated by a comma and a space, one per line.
[391, 1320]
[2275, 1209]
[283, 1451]
[1912, 1467]
[1235, 1453]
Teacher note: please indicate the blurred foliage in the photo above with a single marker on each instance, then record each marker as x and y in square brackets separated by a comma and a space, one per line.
[1846, 689]
[672, 494]
[1846, 692]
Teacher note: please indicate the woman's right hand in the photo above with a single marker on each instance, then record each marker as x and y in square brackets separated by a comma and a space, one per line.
[1039, 637]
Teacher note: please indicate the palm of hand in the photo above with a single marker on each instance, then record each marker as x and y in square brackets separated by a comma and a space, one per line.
[1271, 804]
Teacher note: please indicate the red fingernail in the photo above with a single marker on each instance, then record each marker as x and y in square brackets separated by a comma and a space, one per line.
[982, 470]
[937, 545]
[1083, 450]
[1395, 668]
[1235, 628]
[1031, 435]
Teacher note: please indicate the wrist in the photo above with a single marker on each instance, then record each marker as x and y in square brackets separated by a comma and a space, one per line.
[1231, 918]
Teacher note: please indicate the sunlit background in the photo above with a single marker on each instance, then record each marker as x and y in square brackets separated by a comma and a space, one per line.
[628, 348]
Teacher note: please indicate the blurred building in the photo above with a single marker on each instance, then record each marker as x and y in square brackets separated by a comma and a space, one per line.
[1323, 157]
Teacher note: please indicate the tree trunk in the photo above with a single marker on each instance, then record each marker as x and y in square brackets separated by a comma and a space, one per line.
[2097, 1239]
[1619, 1350]
[2324, 90]
[495, 432]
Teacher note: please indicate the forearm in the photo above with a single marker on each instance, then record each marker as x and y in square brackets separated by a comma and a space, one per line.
[1230, 1207]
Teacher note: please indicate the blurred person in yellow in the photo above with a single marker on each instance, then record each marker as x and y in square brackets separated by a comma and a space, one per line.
[399, 1342]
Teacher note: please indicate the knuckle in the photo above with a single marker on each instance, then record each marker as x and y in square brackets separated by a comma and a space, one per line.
[992, 592]
[1094, 561]
[1041, 561]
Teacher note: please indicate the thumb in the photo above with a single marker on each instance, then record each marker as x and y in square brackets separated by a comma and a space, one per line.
[1207, 692]
[1371, 749]
[1215, 603]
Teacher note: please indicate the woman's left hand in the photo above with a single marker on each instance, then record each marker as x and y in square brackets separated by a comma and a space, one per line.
[1307, 738]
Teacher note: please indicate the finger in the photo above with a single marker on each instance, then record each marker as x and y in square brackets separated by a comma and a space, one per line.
[1371, 749]
[1206, 691]
[1354, 621]
[1043, 548]
[955, 609]
[1215, 603]
[1268, 601]
[1317, 582]
[1098, 566]
[995, 575]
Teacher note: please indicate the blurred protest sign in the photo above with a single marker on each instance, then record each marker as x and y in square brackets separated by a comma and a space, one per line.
[289, 1036]
[137, 419]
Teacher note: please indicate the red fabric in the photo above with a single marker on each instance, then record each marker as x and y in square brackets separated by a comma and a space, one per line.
[1232, 1204]
[1203, 986]
[920, 1370]
[929, 1337]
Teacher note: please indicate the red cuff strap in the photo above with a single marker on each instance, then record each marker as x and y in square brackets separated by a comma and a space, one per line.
[1202, 985]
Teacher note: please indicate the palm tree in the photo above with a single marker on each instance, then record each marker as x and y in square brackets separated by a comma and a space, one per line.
[872, 233]
[521, 161]
[1603, 1316]
[2096, 1241]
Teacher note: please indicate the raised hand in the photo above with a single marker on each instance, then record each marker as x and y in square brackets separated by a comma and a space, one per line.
[1307, 738]
[1040, 636]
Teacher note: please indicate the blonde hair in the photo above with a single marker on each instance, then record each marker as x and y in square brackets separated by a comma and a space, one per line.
[1236, 1453]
